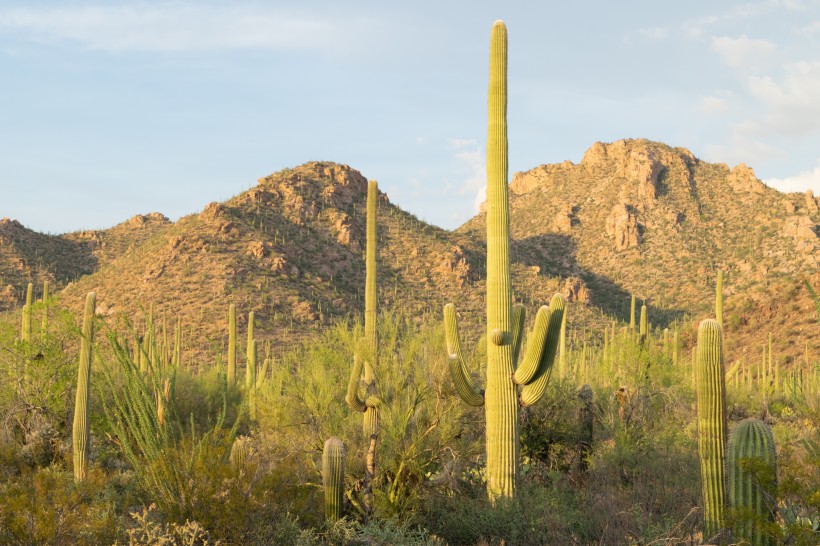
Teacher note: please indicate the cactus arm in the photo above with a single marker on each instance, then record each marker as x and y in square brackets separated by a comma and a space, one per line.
[232, 344]
[519, 317]
[370, 292]
[535, 348]
[465, 387]
[352, 397]
[370, 423]
[533, 391]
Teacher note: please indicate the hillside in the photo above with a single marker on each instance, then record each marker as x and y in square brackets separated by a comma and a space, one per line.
[291, 249]
[639, 217]
[633, 217]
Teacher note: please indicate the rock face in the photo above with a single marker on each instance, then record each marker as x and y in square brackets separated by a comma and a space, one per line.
[622, 225]
[811, 202]
[562, 221]
[632, 161]
[742, 179]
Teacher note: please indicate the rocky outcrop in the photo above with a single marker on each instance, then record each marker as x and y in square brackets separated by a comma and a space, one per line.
[454, 266]
[563, 219]
[622, 225]
[742, 179]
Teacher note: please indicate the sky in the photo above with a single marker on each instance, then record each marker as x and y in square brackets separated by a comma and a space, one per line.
[114, 108]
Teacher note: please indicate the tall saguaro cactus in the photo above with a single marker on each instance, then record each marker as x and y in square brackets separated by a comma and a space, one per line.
[711, 397]
[505, 322]
[366, 355]
[752, 480]
[80, 430]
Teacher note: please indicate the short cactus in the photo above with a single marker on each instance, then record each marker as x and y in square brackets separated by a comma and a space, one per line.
[586, 417]
[752, 480]
[711, 397]
[80, 430]
[25, 335]
[333, 477]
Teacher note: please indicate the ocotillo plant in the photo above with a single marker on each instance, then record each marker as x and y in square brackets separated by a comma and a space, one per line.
[752, 480]
[333, 477]
[232, 344]
[80, 429]
[711, 397]
[504, 321]
[365, 358]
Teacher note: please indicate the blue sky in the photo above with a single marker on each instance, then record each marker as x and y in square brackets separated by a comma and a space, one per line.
[113, 108]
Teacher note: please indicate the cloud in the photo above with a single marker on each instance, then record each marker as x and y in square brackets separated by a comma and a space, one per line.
[791, 105]
[743, 53]
[654, 33]
[181, 27]
[797, 183]
[712, 105]
[471, 165]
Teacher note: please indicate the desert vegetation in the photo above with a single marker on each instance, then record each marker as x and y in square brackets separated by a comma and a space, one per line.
[394, 426]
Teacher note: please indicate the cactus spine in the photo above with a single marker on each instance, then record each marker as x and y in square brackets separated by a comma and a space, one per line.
[751, 489]
[333, 477]
[504, 321]
[25, 335]
[711, 397]
[232, 344]
[80, 429]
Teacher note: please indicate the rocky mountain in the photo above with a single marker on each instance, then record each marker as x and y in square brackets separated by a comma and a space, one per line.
[633, 217]
[639, 217]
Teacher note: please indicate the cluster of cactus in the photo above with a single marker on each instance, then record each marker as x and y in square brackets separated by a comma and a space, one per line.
[749, 487]
[79, 436]
[505, 321]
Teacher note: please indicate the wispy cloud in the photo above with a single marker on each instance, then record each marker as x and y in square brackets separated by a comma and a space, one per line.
[470, 158]
[743, 53]
[790, 105]
[712, 105]
[180, 27]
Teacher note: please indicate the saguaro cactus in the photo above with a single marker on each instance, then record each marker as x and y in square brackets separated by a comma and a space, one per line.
[719, 299]
[333, 477]
[25, 335]
[80, 430]
[632, 315]
[644, 328]
[752, 480]
[44, 322]
[366, 356]
[586, 417]
[711, 397]
[232, 344]
[504, 321]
